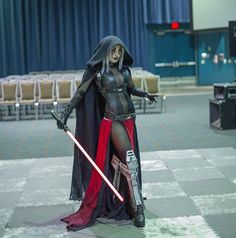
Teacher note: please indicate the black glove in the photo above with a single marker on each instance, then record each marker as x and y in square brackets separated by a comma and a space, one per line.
[62, 122]
[68, 109]
[151, 98]
[64, 115]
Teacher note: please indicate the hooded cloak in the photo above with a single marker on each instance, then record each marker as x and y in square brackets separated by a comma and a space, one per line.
[89, 118]
[89, 114]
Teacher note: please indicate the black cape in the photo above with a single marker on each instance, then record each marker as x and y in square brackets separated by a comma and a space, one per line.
[88, 118]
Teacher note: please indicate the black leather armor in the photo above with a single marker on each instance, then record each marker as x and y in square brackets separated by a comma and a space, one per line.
[116, 87]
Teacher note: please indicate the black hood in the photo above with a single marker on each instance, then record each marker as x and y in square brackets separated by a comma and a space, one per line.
[104, 47]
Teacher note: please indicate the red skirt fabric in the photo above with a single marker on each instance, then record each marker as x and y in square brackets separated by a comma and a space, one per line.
[93, 200]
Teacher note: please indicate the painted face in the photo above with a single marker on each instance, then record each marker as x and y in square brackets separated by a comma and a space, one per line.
[115, 54]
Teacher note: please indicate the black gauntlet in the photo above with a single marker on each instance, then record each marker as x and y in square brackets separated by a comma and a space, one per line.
[140, 93]
[64, 115]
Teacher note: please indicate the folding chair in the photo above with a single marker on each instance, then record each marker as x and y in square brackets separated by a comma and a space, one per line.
[64, 91]
[9, 101]
[27, 98]
[46, 96]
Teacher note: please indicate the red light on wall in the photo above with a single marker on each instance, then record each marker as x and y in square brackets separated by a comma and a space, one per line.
[174, 25]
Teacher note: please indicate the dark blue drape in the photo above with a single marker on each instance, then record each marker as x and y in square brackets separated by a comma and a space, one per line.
[166, 11]
[62, 34]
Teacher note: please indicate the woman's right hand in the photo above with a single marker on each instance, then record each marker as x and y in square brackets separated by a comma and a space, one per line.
[62, 122]
[60, 125]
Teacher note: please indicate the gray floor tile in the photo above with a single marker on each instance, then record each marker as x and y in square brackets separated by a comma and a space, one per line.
[224, 161]
[16, 184]
[115, 229]
[9, 199]
[216, 204]
[208, 187]
[44, 197]
[153, 155]
[51, 171]
[228, 171]
[52, 161]
[17, 164]
[162, 190]
[48, 183]
[150, 165]
[187, 163]
[171, 207]
[196, 174]
[15, 168]
[157, 176]
[234, 181]
[223, 225]
[39, 216]
[184, 227]
[53, 231]
[14, 173]
[212, 153]
[179, 154]
[1, 232]
[4, 217]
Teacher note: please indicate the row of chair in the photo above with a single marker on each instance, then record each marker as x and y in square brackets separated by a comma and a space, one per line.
[36, 93]
[56, 91]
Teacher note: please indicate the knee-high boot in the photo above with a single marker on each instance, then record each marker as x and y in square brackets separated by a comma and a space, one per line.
[130, 171]
[136, 198]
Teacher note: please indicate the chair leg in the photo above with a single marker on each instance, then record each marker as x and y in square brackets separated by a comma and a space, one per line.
[144, 105]
[7, 111]
[36, 111]
[17, 107]
[0, 113]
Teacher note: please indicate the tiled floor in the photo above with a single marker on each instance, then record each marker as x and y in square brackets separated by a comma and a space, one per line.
[190, 193]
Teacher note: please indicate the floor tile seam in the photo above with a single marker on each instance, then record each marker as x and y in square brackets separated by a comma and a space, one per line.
[196, 205]
[41, 204]
[9, 217]
[211, 179]
[34, 159]
[190, 168]
[216, 195]
[50, 175]
[219, 213]
[166, 196]
[49, 205]
[212, 228]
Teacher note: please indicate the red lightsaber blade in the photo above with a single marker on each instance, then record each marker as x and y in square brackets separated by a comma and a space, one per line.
[68, 132]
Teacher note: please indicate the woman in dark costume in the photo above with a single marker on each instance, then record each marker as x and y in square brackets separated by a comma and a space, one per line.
[105, 127]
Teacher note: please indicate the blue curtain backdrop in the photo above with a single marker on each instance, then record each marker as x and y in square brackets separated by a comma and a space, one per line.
[62, 34]
[166, 11]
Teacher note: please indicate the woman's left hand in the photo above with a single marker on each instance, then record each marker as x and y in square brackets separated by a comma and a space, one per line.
[151, 98]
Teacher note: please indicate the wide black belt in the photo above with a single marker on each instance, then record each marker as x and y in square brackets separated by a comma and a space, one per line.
[119, 117]
[113, 90]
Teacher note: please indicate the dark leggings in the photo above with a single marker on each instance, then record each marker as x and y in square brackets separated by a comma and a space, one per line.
[120, 140]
